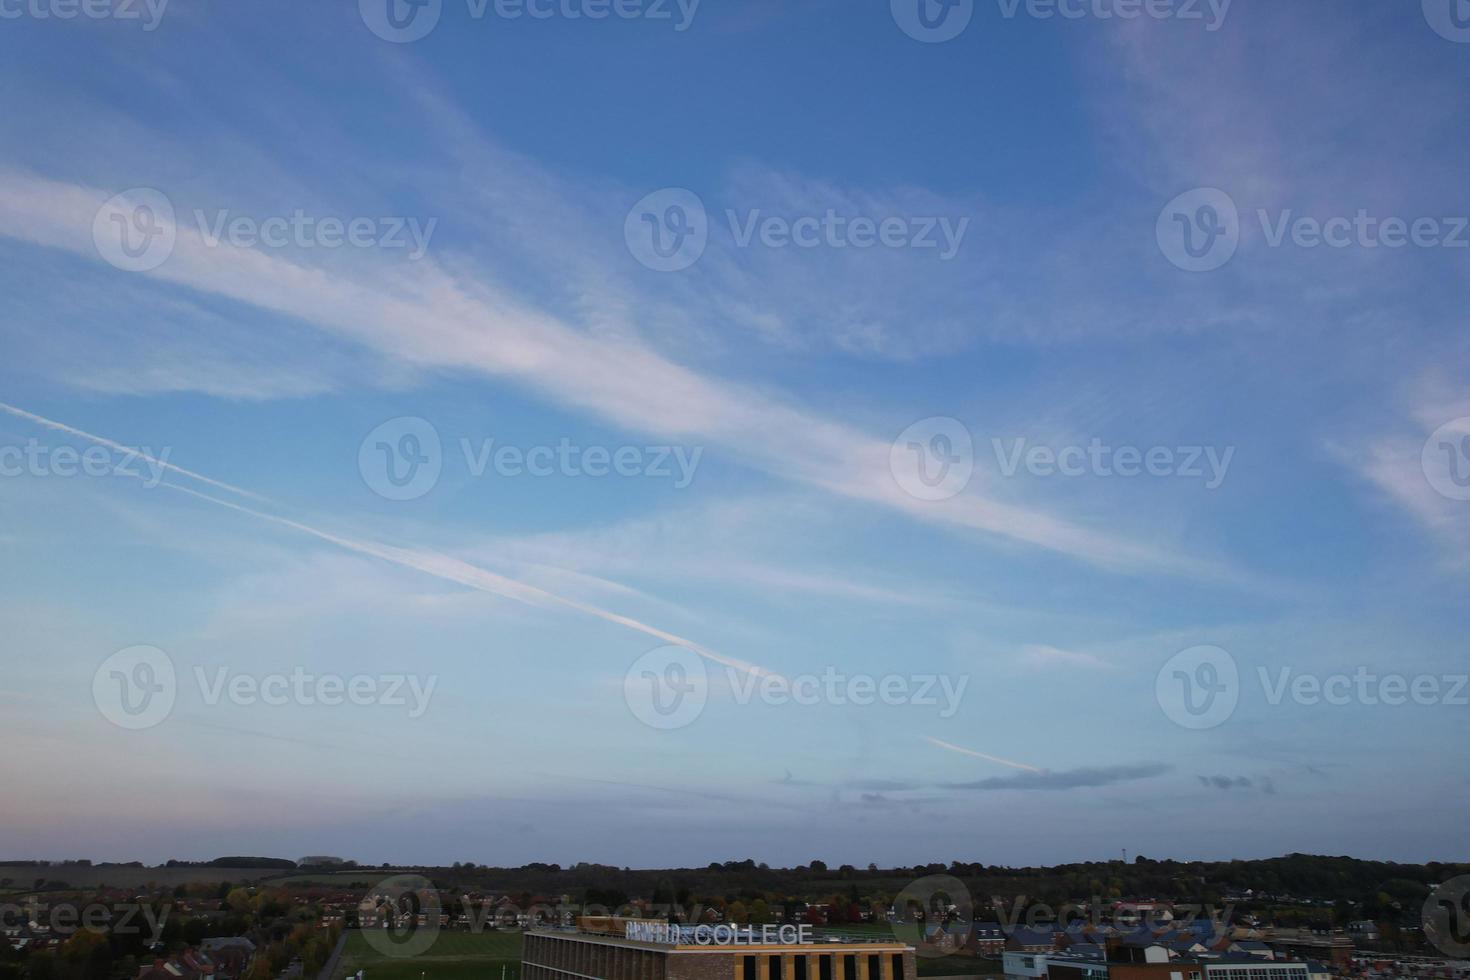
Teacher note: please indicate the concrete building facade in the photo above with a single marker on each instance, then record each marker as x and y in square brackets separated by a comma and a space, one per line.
[606, 952]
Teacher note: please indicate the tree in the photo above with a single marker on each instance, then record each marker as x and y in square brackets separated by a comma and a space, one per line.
[88, 954]
[238, 899]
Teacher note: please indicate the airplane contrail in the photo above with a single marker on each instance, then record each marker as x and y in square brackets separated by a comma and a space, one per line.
[101, 441]
[981, 755]
[461, 572]
[429, 562]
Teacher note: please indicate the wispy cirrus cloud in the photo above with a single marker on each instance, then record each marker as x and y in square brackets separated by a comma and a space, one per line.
[1032, 778]
[432, 319]
[1264, 784]
[1090, 776]
[1087, 777]
[1043, 656]
[1424, 446]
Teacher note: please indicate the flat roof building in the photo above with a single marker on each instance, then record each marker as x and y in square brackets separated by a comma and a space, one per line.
[633, 949]
[1301, 944]
[1119, 961]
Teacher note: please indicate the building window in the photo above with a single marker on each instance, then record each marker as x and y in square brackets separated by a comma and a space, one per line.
[875, 967]
[773, 967]
[747, 968]
[799, 964]
[824, 967]
[897, 966]
[849, 967]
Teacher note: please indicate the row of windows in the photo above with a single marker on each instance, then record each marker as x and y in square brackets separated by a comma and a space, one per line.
[821, 966]
[557, 958]
[588, 959]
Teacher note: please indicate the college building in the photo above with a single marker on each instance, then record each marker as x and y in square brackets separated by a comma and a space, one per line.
[639, 949]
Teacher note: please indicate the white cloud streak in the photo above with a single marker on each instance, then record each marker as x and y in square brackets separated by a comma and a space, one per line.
[950, 746]
[433, 563]
[455, 570]
[119, 447]
[432, 320]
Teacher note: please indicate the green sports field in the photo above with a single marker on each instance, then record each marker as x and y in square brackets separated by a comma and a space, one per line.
[454, 956]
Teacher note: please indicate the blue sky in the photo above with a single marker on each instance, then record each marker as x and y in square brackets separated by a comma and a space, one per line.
[788, 377]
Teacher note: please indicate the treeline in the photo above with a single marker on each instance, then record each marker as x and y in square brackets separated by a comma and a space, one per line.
[1352, 885]
[77, 863]
[273, 864]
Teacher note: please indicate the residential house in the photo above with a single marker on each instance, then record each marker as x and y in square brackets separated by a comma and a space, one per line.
[987, 938]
